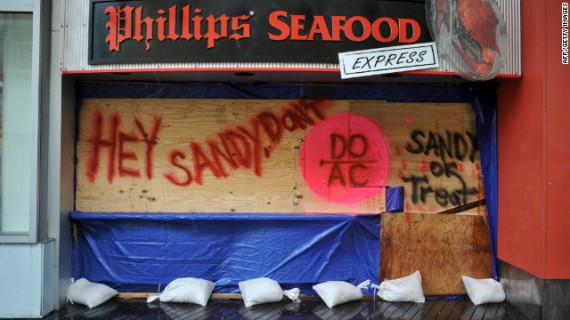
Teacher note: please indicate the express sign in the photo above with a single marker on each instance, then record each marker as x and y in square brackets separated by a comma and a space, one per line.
[248, 30]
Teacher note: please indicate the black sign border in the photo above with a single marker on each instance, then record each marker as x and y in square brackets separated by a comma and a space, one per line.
[118, 61]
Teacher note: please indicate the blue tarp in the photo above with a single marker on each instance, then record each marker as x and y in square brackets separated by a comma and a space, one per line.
[395, 199]
[136, 252]
[481, 96]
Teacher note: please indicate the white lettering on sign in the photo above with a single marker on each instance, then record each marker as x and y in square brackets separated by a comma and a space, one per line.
[564, 32]
[387, 60]
[564, 14]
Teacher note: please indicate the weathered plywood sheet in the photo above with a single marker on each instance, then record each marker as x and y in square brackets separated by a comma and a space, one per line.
[184, 155]
[433, 153]
[441, 247]
[185, 176]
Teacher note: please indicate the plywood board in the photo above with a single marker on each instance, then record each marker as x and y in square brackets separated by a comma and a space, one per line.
[441, 247]
[187, 155]
[433, 153]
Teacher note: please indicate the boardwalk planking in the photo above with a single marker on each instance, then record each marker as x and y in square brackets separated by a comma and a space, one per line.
[441, 309]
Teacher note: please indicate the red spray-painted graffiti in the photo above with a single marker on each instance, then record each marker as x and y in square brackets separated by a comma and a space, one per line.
[345, 159]
[118, 140]
[233, 148]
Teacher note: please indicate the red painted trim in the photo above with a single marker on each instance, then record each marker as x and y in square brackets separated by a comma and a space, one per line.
[164, 70]
[315, 70]
[448, 73]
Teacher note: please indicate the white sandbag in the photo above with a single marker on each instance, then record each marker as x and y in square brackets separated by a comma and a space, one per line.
[89, 293]
[265, 290]
[483, 290]
[186, 290]
[338, 292]
[405, 289]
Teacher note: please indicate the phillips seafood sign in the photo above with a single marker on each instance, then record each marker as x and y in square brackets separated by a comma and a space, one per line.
[248, 30]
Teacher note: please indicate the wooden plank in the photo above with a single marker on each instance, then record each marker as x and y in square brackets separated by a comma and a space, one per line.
[125, 308]
[73, 309]
[141, 295]
[411, 313]
[355, 310]
[179, 310]
[458, 310]
[202, 313]
[522, 317]
[320, 310]
[325, 315]
[216, 309]
[341, 311]
[448, 309]
[371, 308]
[302, 310]
[197, 311]
[159, 155]
[426, 308]
[279, 311]
[182, 122]
[70, 311]
[136, 308]
[441, 247]
[136, 294]
[511, 313]
[261, 310]
[402, 309]
[423, 138]
[501, 314]
[391, 309]
[491, 311]
[101, 312]
[170, 310]
[468, 311]
[379, 308]
[479, 312]
[435, 310]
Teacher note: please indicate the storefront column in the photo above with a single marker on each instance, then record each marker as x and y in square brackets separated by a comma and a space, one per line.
[534, 166]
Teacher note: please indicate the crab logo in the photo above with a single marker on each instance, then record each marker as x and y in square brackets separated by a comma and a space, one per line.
[470, 34]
